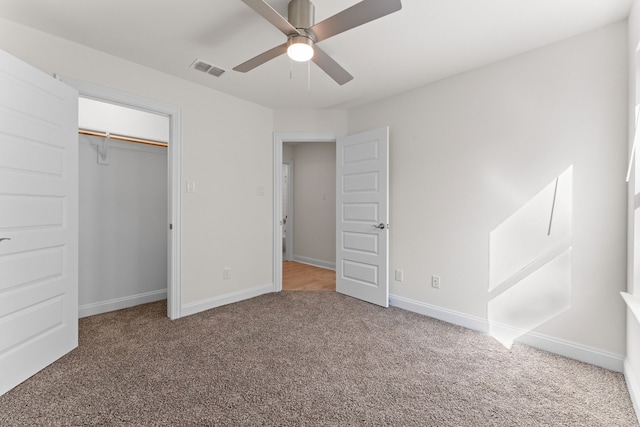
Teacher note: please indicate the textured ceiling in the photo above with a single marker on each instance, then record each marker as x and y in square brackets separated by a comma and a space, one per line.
[427, 40]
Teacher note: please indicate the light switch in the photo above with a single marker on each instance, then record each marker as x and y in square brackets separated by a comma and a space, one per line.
[191, 186]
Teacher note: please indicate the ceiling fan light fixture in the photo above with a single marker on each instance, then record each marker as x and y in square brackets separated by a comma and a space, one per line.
[300, 48]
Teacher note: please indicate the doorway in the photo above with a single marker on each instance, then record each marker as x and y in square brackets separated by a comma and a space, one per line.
[362, 212]
[308, 196]
[91, 91]
[308, 262]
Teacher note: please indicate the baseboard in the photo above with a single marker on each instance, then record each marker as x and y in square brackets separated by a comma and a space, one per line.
[120, 303]
[315, 262]
[446, 315]
[197, 307]
[633, 387]
[572, 350]
[593, 356]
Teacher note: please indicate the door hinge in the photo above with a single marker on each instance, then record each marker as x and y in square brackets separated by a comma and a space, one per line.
[170, 226]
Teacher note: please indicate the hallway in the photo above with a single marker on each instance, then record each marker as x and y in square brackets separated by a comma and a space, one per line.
[304, 277]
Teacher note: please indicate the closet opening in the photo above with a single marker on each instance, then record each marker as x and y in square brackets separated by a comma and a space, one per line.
[123, 206]
[172, 117]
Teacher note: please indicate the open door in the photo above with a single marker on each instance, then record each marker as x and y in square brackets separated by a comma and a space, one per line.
[362, 215]
[38, 220]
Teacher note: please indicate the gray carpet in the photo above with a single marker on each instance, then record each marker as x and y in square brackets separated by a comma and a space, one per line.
[308, 358]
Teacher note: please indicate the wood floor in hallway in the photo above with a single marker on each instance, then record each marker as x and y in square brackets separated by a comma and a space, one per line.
[303, 277]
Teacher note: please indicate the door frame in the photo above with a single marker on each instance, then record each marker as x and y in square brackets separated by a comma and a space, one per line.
[174, 235]
[279, 138]
[290, 203]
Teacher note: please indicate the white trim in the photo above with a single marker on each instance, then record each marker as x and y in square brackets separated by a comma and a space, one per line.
[120, 303]
[199, 306]
[446, 315]
[633, 387]
[290, 211]
[633, 303]
[280, 138]
[89, 90]
[572, 350]
[558, 346]
[315, 262]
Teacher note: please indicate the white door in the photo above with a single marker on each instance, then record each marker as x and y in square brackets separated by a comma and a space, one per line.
[362, 215]
[38, 220]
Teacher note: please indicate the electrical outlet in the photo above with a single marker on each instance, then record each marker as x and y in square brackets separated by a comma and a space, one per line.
[399, 275]
[226, 273]
[435, 282]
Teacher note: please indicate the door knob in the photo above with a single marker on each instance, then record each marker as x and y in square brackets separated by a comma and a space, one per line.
[381, 226]
[4, 238]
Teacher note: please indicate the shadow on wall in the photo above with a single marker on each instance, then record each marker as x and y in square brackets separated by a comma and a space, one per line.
[530, 263]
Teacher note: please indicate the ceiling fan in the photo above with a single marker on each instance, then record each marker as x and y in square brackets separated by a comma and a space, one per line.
[303, 33]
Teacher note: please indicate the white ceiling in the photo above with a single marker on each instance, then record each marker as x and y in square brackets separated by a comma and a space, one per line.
[425, 41]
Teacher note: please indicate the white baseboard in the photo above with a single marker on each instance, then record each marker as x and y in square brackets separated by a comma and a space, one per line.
[199, 306]
[446, 315]
[593, 356]
[315, 262]
[633, 387]
[120, 303]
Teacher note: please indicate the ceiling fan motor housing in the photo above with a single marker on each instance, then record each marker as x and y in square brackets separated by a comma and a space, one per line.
[301, 14]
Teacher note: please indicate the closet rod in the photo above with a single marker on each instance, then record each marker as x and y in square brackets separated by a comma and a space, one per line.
[123, 138]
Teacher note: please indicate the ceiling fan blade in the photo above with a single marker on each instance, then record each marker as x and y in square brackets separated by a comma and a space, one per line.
[270, 14]
[261, 59]
[331, 67]
[358, 14]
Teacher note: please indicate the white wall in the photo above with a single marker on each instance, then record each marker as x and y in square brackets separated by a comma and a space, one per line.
[314, 189]
[287, 152]
[301, 120]
[227, 221]
[123, 225]
[468, 151]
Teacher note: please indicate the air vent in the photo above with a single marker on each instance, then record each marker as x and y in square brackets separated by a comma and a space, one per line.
[207, 68]
[215, 71]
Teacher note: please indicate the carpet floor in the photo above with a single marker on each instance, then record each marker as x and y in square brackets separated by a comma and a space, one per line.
[308, 358]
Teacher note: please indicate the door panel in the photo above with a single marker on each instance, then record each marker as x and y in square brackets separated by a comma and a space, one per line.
[38, 219]
[362, 215]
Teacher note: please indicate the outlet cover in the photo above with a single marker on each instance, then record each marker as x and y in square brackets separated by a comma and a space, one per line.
[435, 282]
